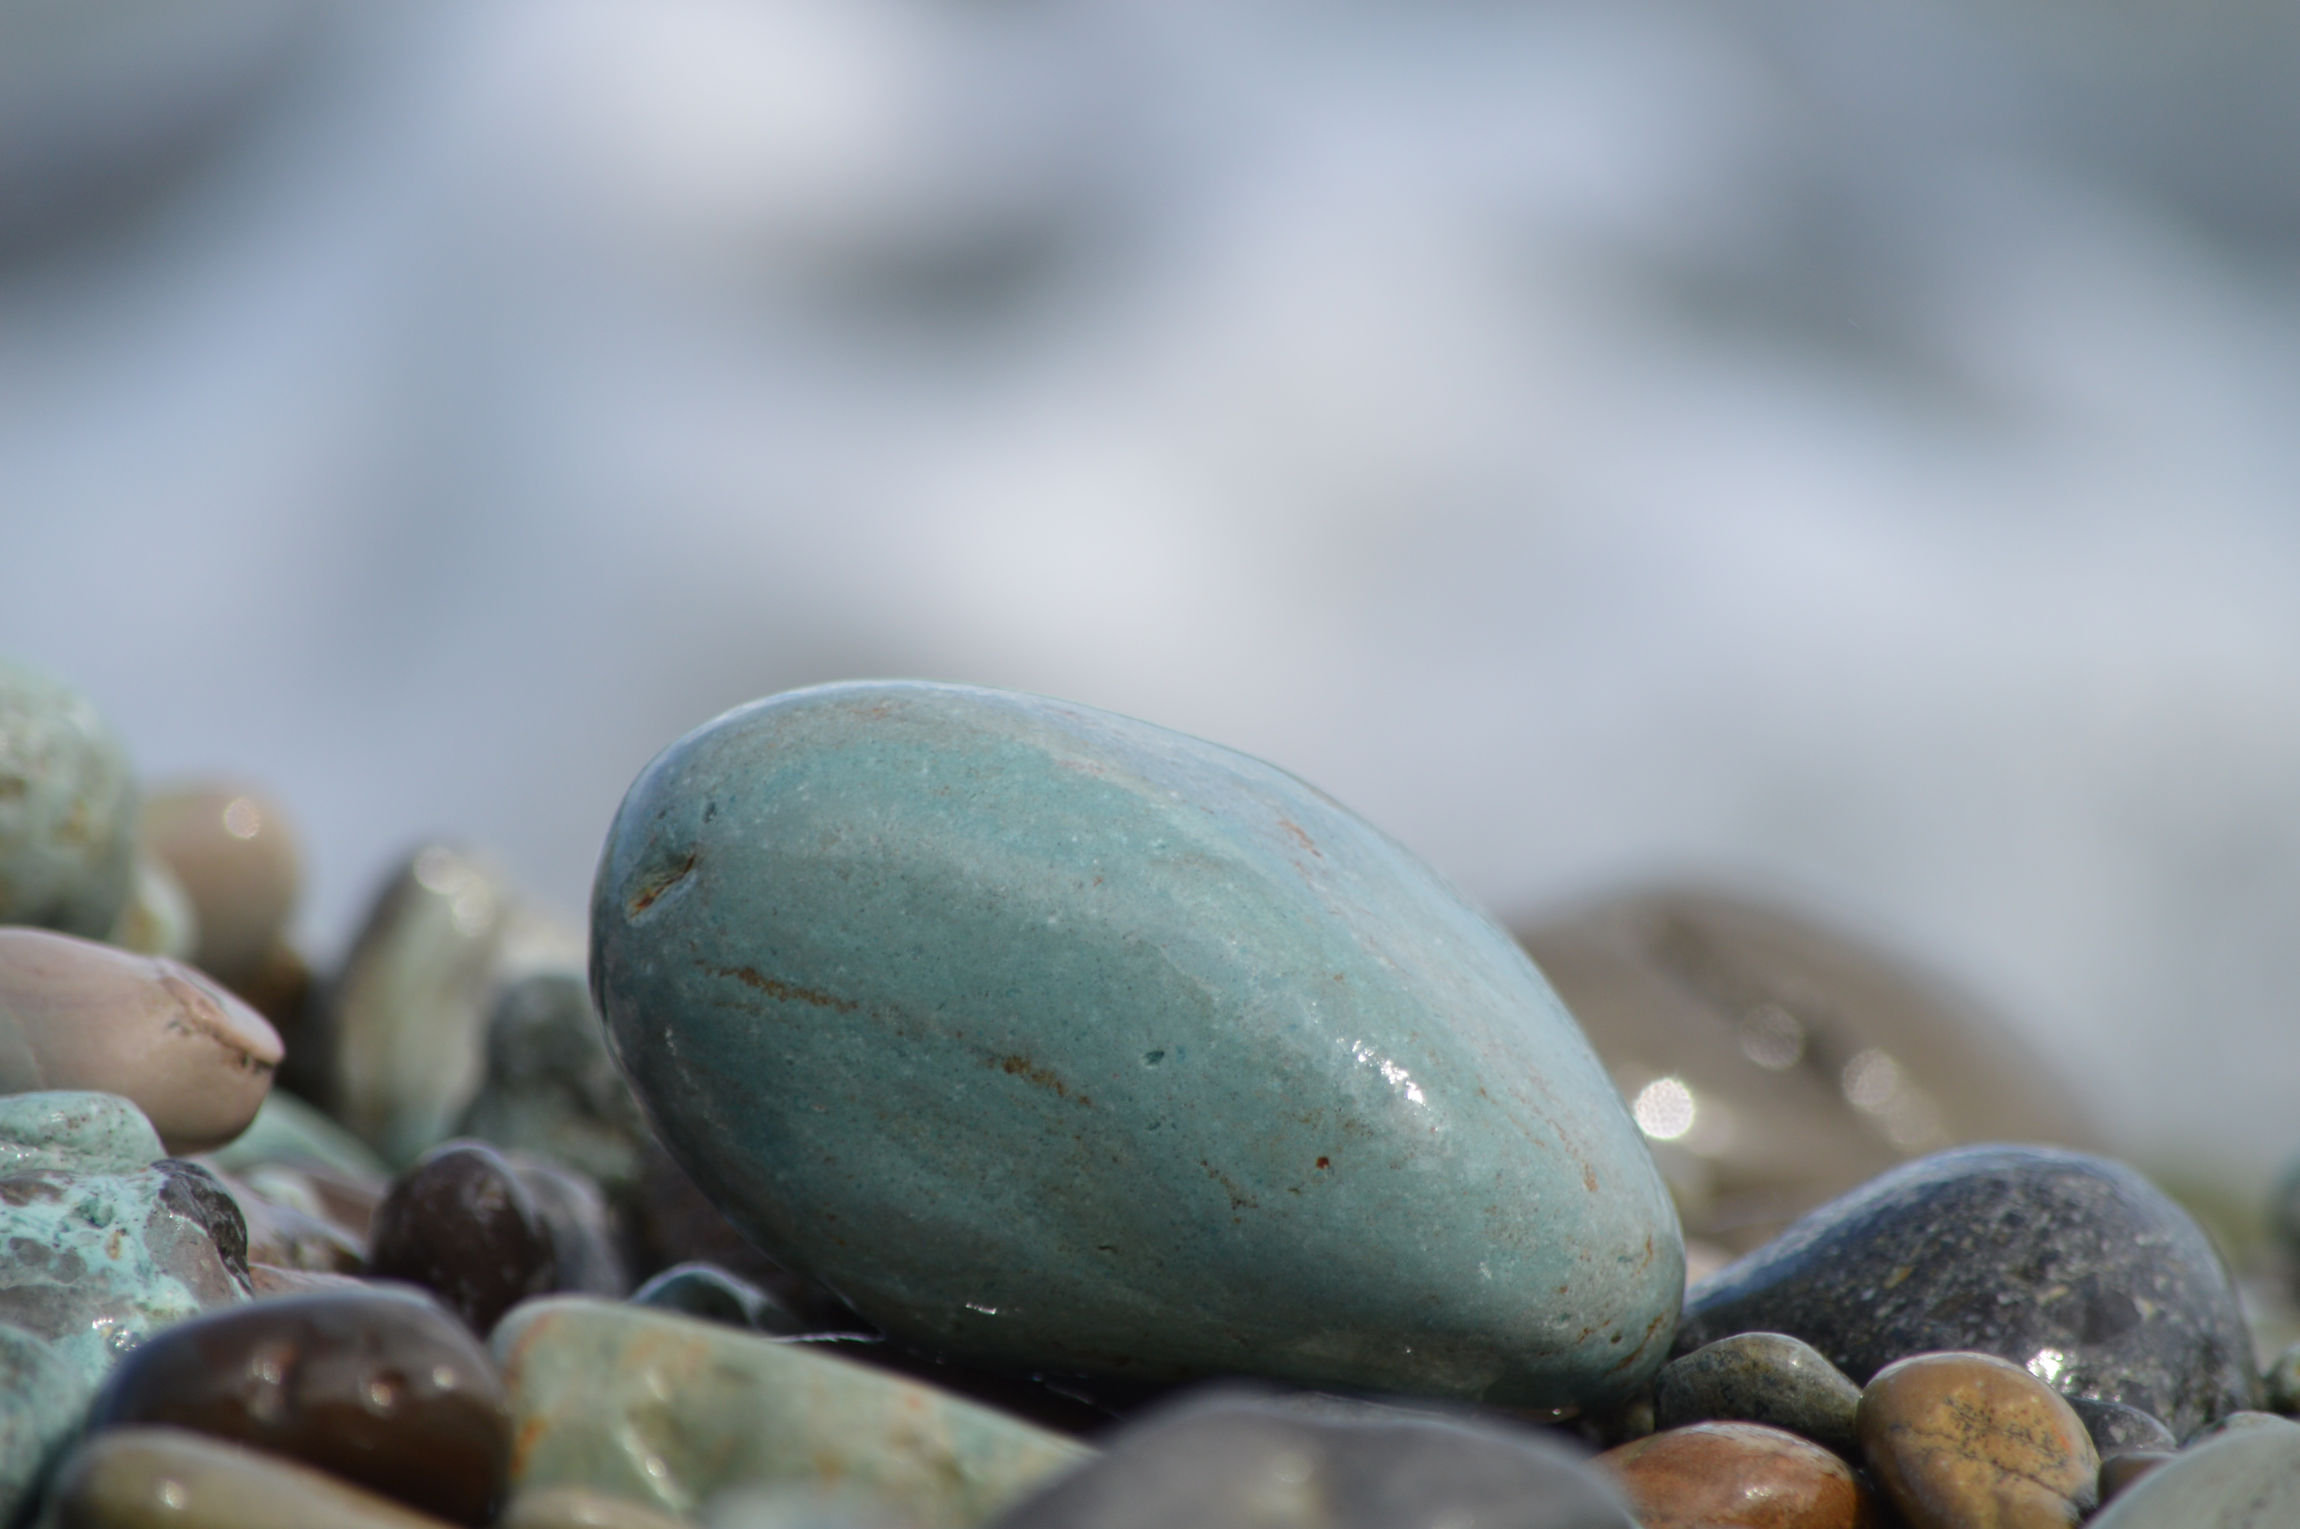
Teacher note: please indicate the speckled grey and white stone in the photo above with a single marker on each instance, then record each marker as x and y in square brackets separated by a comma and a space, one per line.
[67, 809]
[2118, 1429]
[2249, 1479]
[1761, 1378]
[1245, 1462]
[2073, 1266]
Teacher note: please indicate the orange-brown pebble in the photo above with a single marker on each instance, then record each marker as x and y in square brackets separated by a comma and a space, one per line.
[237, 860]
[1737, 1476]
[1971, 1441]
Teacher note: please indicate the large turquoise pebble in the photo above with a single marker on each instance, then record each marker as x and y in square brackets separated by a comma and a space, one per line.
[1055, 1040]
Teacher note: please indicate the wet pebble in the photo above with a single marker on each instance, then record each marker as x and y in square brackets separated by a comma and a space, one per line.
[2072, 1265]
[2114, 1426]
[2249, 1479]
[78, 1015]
[586, 1242]
[2237, 1422]
[1760, 1378]
[168, 1478]
[1740, 1474]
[1964, 1440]
[462, 1222]
[551, 1088]
[378, 1387]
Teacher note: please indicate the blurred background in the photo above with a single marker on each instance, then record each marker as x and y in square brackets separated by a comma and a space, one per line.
[1849, 453]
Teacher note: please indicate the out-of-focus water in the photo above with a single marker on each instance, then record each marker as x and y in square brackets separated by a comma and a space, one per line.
[1851, 452]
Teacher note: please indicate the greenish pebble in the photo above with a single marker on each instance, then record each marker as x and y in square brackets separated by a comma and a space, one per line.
[41, 1399]
[2284, 1382]
[75, 1129]
[291, 1133]
[67, 809]
[159, 919]
[2248, 1479]
[552, 1088]
[1053, 1040]
[669, 1412]
[1761, 1378]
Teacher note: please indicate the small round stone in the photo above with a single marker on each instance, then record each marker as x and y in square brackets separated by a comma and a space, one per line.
[379, 1388]
[2115, 1427]
[1742, 1474]
[1760, 1378]
[2127, 1466]
[67, 809]
[1958, 1440]
[585, 1241]
[462, 1222]
[235, 856]
[78, 1015]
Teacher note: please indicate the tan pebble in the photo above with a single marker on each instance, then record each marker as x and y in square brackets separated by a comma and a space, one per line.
[579, 1508]
[78, 1015]
[159, 919]
[131, 1478]
[2122, 1469]
[236, 858]
[1971, 1441]
[1738, 1476]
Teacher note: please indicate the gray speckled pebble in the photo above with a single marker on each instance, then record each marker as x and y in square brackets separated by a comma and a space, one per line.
[2072, 1266]
[2249, 1479]
[67, 809]
[551, 1087]
[2284, 1382]
[1241, 1462]
[2116, 1428]
[1761, 1378]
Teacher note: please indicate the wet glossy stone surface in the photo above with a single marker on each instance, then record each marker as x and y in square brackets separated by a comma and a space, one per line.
[2073, 1264]
[1810, 1061]
[1051, 1038]
[78, 1015]
[380, 1388]
[67, 809]
[1243, 1462]
[231, 850]
[1741, 1474]
[1971, 1441]
[463, 1223]
[669, 1411]
[167, 1478]
[711, 1293]
[2245, 1480]
[1760, 1378]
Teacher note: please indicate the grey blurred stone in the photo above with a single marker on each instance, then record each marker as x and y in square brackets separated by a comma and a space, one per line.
[67, 809]
[2249, 1479]
[1761, 1378]
[2118, 1429]
[552, 1089]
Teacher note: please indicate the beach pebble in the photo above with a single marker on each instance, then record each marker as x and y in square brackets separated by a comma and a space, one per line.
[378, 1387]
[1965, 1440]
[2126, 1466]
[1760, 1378]
[67, 809]
[1743, 1475]
[575, 1508]
[42, 1395]
[463, 1223]
[710, 1292]
[231, 849]
[551, 1087]
[75, 1014]
[2074, 1267]
[668, 1411]
[2115, 1427]
[2249, 1479]
[159, 919]
[1053, 1040]
[169, 1478]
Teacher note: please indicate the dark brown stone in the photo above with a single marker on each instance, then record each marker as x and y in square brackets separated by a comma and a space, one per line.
[380, 1388]
[1746, 1475]
[462, 1222]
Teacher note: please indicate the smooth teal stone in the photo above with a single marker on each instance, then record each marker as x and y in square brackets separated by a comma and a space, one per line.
[289, 1132]
[2248, 1478]
[1054, 1040]
[67, 809]
[671, 1412]
[75, 1129]
[41, 1399]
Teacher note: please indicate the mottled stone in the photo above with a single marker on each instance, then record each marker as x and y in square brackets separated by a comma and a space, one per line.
[75, 1129]
[463, 1223]
[2283, 1382]
[1245, 1462]
[710, 1292]
[2120, 1470]
[575, 1508]
[2244, 1480]
[232, 851]
[78, 1015]
[2115, 1427]
[67, 809]
[1760, 1378]
[1742, 1474]
[1789, 1061]
[2074, 1266]
[167, 1478]
[404, 1034]
[668, 1411]
[159, 919]
[552, 1089]
[1053, 1039]
[1971, 1441]
[380, 1388]
[41, 1395]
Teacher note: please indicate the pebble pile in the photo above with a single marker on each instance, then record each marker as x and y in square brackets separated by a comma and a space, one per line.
[968, 1109]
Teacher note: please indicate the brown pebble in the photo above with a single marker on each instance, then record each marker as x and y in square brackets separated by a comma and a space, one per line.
[2125, 1467]
[1738, 1476]
[1971, 1441]
[235, 857]
[461, 1221]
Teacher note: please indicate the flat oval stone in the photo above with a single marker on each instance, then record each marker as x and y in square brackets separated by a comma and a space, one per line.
[1760, 1378]
[234, 854]
[1789, 1061]
[463, 1223]
[1229, 1461]
[2244, 1480]
[2073, 1266]
[1958, 1440]
[1743, 1474]
[67, 809]
[669, 1412]
[167, 1478]
[78, 1015]
[1054, 1040]
[379, 1388]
